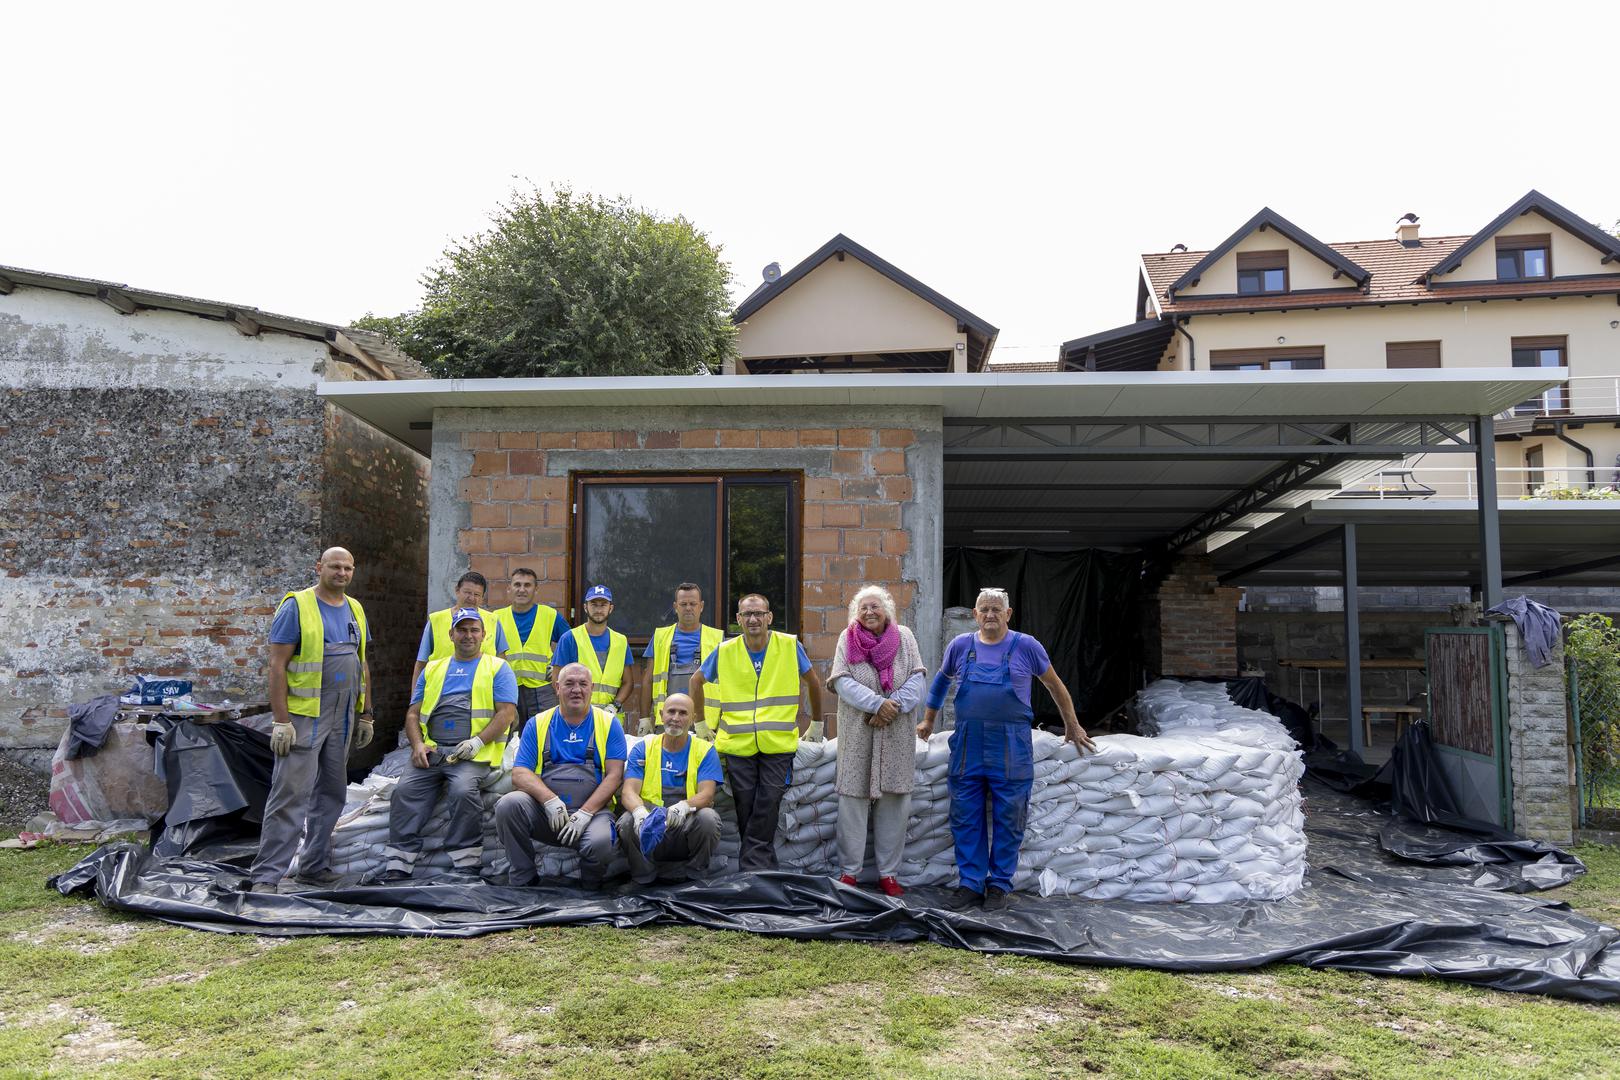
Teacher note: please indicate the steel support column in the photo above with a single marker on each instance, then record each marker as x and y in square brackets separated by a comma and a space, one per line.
[1490, 528]
[1352, 642]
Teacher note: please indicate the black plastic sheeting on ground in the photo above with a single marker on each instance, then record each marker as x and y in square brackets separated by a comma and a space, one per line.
[1080, 605]
[1360, 910]
[218, 778]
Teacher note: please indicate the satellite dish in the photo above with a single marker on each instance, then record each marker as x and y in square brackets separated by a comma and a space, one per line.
[771, 272]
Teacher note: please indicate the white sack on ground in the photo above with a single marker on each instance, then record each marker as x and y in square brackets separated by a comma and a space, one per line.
[1206, 811]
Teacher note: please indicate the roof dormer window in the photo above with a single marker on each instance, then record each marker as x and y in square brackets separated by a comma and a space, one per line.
[1523, 258]
[1262, 272]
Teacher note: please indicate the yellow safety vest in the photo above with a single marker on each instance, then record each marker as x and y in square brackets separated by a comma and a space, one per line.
[442, 645]
[759, 712]
[603, 724]
[709, 640]
[605, 680]
[483, 702]
[529, 659]
[304, 669]
[652, 779]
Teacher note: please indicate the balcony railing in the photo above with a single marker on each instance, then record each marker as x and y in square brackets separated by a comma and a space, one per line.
[1565, 482]
[1586, 395]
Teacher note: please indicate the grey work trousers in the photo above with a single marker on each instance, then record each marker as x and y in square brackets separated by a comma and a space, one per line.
[691, 846]
[757, 785]
[411, 806]
[308, 784]
[889, 820]
[531, 700]
[520, 821]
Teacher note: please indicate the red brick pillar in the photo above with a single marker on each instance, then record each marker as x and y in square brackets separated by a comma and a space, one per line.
[1197, 621]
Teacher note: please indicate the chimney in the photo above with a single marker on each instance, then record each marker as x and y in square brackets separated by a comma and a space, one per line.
[1406, 230]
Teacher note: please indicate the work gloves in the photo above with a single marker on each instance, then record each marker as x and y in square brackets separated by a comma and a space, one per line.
[638, 815]
[362, 732]
[676, 815]
[281, 738]
[467, 749]
[556, 813]
[571, 832]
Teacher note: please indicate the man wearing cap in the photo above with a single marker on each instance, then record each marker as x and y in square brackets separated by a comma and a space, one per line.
[675, 652]
[320, 698]
[436, 644]
[532, 630]
[755, 681]
[569, 766]
[669, 785]
[460, 711]
[604, 652]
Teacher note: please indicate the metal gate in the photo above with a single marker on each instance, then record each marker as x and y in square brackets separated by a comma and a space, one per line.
[1468, 718]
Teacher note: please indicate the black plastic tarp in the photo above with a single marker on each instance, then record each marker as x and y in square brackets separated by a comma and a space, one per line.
[1361, 909]
[1080, 605]
[218, 778]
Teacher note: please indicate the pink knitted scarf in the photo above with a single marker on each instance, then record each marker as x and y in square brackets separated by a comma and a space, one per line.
[879, 650]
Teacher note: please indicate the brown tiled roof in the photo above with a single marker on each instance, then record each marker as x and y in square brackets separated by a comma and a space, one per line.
[1397, 277]
[1024, 365]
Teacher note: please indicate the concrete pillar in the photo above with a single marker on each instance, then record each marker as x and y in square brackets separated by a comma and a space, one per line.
[1543, 768]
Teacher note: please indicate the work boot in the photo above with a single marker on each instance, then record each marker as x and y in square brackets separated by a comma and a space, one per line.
[318, 879]
[385, 877]
[963, 897]
[996, 899]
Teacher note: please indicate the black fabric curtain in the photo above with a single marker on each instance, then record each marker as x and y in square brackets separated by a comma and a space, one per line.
[1081, 605]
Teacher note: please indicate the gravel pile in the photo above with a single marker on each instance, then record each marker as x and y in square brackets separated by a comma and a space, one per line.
[24, 792]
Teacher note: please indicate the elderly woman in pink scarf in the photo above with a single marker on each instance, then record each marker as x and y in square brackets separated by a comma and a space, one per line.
[877, 673]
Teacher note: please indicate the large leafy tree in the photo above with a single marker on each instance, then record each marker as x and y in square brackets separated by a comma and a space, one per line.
[571, 284]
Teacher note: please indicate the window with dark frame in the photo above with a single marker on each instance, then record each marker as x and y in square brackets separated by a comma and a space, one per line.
[1262, 272]
[1535, 473]
[1412, 354]
[731, 533]
[1543, 352]
[1523, 258]
[1307, 358]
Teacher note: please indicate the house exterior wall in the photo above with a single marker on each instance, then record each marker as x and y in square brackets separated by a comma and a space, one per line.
[1571, 256]
[1305, 271]
[845, 307]
[167, 485]
[872, 492]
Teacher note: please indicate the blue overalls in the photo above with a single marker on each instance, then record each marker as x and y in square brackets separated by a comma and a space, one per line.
[992, 757]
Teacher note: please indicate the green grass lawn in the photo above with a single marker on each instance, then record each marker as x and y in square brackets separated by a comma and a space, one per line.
[84, 991]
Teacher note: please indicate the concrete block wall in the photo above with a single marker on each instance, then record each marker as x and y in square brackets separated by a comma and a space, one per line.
[1264, 637]
[1196, 622]
[1539, 737]
[871, 491]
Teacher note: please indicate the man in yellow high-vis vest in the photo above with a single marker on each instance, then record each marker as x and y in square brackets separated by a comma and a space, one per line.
[320, 699]
[680, 773]
[471, 588]
[532, 631]
[604, 651]
[461, 710]
[756, 680]
[674, 653]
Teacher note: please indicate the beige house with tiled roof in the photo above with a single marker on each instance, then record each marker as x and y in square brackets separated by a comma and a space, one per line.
[1536, 287]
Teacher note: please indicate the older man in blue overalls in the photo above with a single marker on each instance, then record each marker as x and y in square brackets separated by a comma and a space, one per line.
[992, 750]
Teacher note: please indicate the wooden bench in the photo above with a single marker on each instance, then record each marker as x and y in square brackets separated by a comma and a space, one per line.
[1401, 714]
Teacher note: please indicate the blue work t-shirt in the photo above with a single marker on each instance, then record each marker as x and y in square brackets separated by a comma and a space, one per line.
[425, 649]
[673, 768]
[337, 624]
[458, 679]
[1029, 662]
[525, 625]
[567, 650]
[687, 645]
[570, 745]
[711, 666]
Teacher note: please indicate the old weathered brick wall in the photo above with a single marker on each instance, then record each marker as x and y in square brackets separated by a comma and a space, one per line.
[504, 475]
[1196, 622]
[1264, 637]
[375, 504]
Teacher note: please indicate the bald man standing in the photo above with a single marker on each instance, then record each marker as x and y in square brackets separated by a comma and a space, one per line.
[319, 696]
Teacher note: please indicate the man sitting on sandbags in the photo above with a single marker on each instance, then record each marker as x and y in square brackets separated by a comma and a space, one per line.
[465, 702]
[569, 766]
[669, 827]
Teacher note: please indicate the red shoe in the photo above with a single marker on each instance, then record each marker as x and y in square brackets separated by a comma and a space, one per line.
[890, 886]
[847, 879]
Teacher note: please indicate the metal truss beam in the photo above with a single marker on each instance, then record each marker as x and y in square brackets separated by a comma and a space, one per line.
[1246, 439]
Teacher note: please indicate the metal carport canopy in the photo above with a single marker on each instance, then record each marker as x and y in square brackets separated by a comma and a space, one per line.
[1430, 542]
[1018, 485]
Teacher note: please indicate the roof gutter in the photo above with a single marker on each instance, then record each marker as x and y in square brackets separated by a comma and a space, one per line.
[1192, 346]
[1591, 463]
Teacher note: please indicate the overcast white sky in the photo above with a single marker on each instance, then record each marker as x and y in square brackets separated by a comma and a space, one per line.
[312, 159]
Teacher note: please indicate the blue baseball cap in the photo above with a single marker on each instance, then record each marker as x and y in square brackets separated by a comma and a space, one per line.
[599, 592]
[462, 614]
